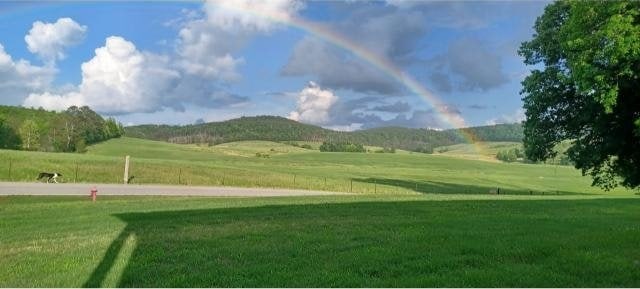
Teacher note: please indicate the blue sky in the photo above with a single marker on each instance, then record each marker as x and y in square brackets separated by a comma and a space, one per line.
[182, 62]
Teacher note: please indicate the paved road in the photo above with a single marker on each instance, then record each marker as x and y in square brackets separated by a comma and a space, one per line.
[13, 188]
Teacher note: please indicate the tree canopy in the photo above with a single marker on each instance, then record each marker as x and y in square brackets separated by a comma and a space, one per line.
[585, 88]
[67, 131]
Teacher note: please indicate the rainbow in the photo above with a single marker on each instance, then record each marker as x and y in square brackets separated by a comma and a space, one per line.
[442, 110]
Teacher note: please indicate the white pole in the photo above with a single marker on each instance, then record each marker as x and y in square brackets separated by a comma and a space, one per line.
[126, 170]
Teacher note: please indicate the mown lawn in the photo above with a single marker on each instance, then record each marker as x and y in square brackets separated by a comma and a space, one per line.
[336, 241]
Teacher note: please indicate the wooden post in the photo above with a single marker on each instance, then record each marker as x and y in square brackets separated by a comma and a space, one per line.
[351, 188]
[179, 176]
[75, 178]
[325, 183]
[416, 186]
[10, 162]
[126, 170]
[294, 181]
[223, 179]
[375, 186]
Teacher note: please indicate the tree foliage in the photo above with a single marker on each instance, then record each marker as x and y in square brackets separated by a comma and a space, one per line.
[30, 135]
[68, 131]
[342, 147]
[587, 89]
[9, 139]
[511, 155]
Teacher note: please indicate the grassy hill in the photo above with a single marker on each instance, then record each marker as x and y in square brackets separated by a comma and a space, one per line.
[480, 151]
[271, 164]
[274, 128]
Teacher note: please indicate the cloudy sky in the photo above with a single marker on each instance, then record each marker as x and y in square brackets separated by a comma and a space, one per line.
[342, 65]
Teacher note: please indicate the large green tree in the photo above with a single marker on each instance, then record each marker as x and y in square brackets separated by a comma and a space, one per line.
[586, 88]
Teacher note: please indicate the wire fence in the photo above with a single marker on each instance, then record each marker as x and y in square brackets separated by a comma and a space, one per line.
[173, 173]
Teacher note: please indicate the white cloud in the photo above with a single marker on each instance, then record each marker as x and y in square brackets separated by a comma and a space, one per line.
[253, 15]
[118, 79]
[121, 79]
[48, 40]
[516, 117]
[206, 45]
[350, 127]
[54, 101]
[19, 78]
[314, 105]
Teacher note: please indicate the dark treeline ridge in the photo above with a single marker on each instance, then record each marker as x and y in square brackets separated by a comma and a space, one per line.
[68, 131]
[273, 128]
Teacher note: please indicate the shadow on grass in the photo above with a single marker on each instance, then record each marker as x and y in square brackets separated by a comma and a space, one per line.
[452, 188]
[388, 244]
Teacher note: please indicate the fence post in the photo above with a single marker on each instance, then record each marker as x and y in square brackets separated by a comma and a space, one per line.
[416, 186]
[10, 163]
[325, 183]
[294, 181]
[75, 178]
[180, 176]
[223, 179]
[351, 188]
[126, 170]
[375, 186]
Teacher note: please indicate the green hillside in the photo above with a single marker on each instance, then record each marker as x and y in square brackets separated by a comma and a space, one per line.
[275, 128]
[271, 164]
[480, 151]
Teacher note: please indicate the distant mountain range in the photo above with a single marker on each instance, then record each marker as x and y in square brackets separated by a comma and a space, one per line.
[274, 128]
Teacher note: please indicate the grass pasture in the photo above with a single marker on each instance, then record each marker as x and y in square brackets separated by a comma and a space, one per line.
[285, 166]
[488, 151]
[419, 221]
[337, 241]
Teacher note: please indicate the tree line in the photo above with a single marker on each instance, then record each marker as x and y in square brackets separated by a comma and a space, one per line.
[67, 131]
[342, 147]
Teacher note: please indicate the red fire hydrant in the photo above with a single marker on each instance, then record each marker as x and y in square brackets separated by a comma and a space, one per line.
[94, 192]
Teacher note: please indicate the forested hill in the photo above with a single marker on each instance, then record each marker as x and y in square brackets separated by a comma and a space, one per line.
[275, 128]
[245, 128]
[41, 130]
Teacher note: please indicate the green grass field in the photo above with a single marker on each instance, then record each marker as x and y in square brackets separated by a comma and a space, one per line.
[338, 241]
[470, 151]
[418, 221]
[285, 166]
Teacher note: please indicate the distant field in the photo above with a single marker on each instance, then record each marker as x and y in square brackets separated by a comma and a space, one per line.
[483, 151]
[337, 241]
[286, 166]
